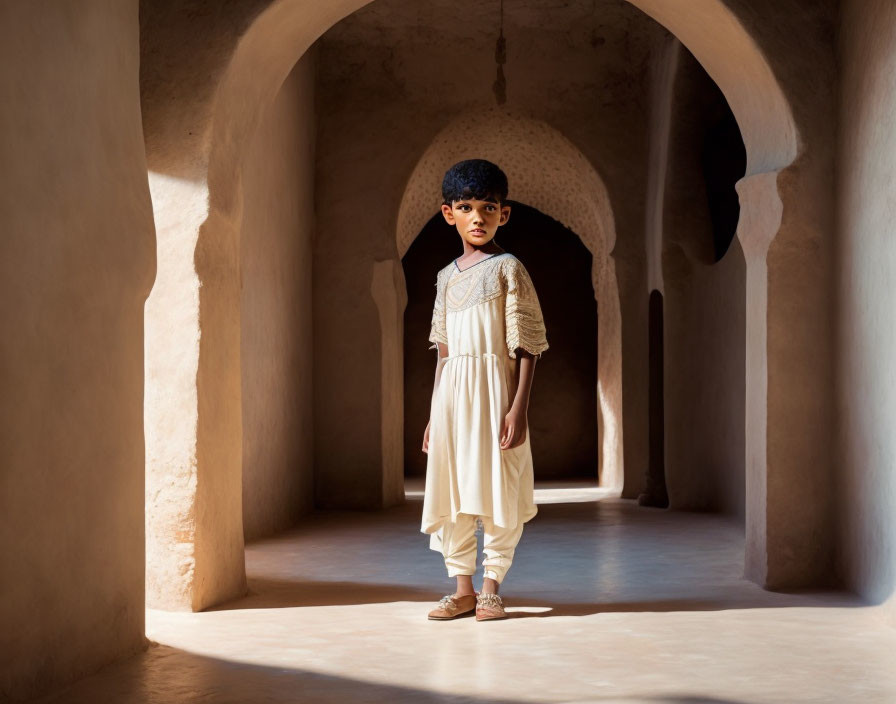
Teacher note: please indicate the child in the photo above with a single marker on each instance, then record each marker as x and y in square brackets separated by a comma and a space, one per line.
[488, 329]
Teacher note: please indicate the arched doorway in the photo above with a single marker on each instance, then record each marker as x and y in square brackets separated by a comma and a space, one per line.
[549, 173]
[199, 264]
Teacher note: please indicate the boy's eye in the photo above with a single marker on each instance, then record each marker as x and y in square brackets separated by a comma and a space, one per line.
[466, 207]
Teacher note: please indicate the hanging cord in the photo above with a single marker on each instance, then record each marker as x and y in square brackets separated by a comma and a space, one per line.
[500, 85]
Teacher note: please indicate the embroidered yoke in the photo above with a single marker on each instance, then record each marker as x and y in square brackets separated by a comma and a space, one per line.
[483, 313]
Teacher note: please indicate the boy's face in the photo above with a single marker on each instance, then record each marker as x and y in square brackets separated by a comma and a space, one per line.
[477, 221]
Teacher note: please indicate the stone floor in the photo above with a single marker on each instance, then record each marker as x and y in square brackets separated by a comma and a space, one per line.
[609, 602]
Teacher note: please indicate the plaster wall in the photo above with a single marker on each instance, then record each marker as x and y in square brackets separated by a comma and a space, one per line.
[77, 260]
[275, 317]
[866, 336]
[207, 74]
[704, 317]
[704, 382]
[213, 71]
[786, 231]
[582, 76]
[798, 39]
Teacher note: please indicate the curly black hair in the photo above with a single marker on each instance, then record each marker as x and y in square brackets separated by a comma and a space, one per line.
[474, 178]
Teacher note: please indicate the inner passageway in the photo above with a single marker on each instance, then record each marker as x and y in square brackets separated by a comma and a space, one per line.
[623, 603]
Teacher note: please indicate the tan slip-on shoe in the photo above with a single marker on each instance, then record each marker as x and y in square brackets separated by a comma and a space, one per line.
[489, 607]
[451, 606]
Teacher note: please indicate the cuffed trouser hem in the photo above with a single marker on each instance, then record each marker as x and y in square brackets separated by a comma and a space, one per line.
[458, 544]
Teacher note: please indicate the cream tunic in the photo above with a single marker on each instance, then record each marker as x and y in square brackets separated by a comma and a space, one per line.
[483, 313]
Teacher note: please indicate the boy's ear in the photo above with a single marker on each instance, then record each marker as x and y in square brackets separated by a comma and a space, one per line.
[448, 213]
[505, 214]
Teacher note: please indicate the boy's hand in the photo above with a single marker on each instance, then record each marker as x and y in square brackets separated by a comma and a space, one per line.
[426, 439]
[513, 432]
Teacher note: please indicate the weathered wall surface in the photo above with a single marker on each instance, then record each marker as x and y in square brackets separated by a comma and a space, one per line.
[775, 64]
[275, 316]
[703, 310]
[797, 38]
[78, 255]
[213, 71]
[208, 73]
[866, 336]
[77, 260]
[586, 82]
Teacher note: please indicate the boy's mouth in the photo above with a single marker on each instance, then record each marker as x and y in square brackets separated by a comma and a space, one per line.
[478, 232]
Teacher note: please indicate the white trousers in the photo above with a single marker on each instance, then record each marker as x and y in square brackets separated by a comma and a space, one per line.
[457, 543]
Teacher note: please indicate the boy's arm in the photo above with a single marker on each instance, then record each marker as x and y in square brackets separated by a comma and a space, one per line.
[515, 425]
[525, 370]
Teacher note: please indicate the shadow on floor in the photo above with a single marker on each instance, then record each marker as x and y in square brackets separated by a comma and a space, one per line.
[165, 675]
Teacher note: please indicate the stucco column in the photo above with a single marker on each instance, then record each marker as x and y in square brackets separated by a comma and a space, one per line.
[787, 459]
[206, 80]
[760, 219]
[388, 289]
[192, 414]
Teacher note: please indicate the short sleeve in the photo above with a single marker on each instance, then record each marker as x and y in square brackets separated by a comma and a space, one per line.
[522, 312]
[438, 331]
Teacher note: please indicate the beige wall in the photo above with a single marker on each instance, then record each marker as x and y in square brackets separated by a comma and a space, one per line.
[275, 351]
[77, 260]
[704, 383]
[704, 317]
[866, 335]
[799, 467]
[210, 77]
[207, 77]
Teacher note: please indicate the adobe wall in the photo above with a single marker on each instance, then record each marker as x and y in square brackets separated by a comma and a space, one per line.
[800, 325]
[76, 265]
[866, 336]
[703, 316]
[799, 469]
[776, 69]
[774, 63]
[275, 310]
[207, 76]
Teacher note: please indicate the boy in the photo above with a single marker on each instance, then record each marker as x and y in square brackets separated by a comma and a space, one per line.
[489, 331]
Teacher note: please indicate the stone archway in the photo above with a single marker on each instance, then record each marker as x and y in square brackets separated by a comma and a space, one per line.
[575, 195]
[192, 319]
[716, 38]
